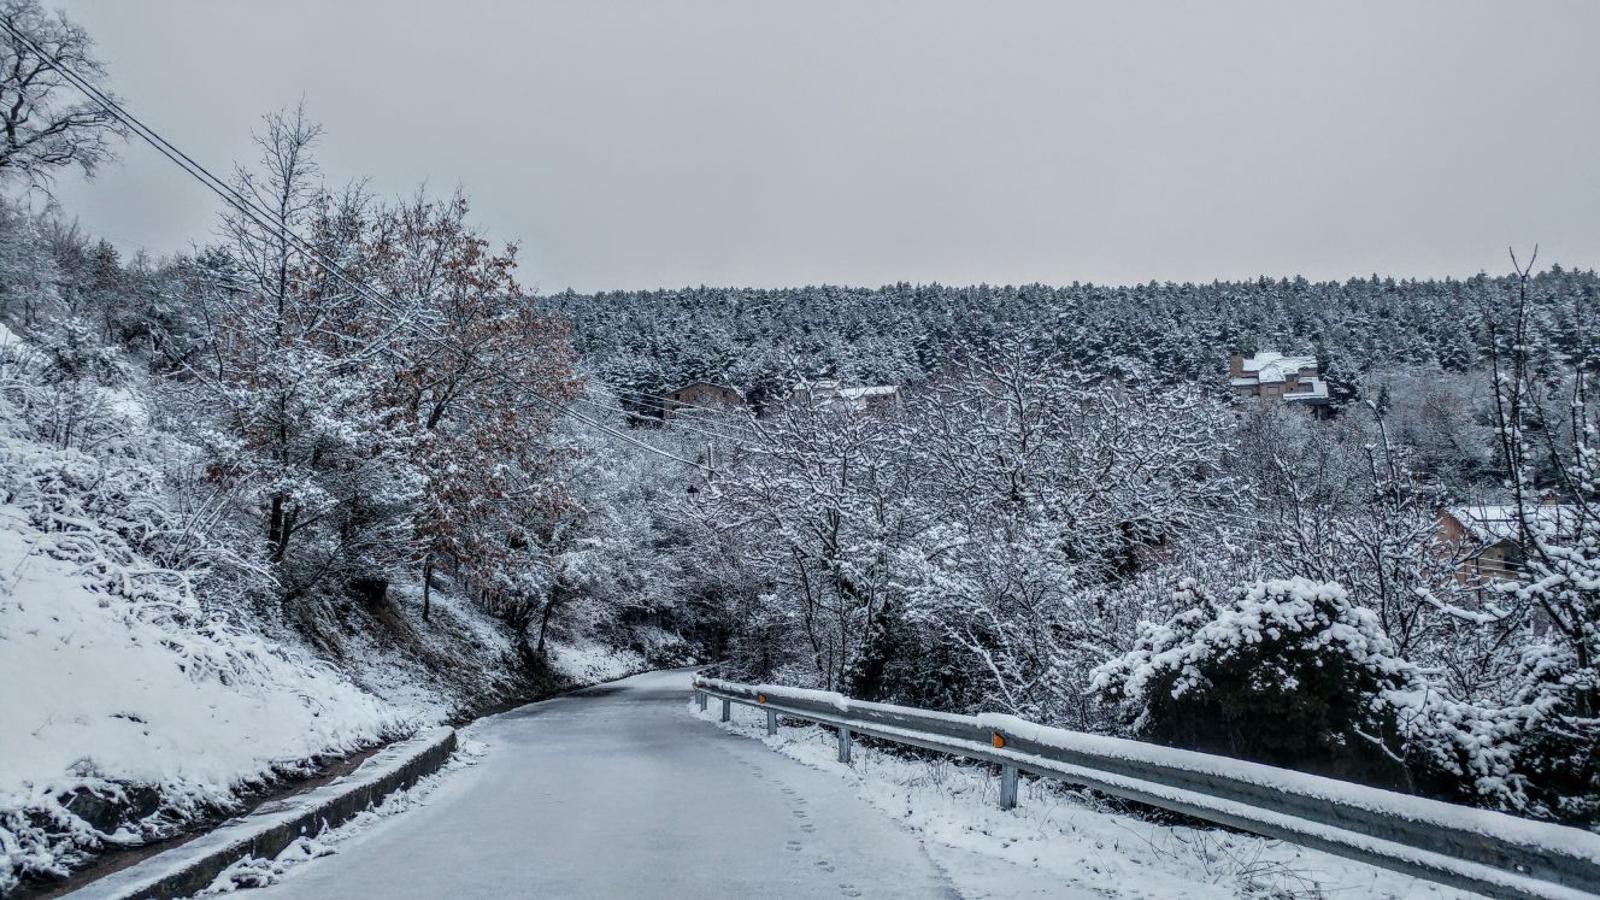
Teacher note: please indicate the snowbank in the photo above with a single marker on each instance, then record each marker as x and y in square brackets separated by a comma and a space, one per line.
[289, 826]
[104, 697]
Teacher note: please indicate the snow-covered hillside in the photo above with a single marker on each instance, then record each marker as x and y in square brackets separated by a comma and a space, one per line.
[143, 689]
[123, 719]
[130, 706]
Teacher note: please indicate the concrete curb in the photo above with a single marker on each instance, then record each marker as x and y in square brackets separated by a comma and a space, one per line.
[191, 867]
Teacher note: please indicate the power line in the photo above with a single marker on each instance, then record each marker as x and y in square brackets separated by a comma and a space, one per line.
[673, 423]
[268, 221]
[745, 425]
[667, 404]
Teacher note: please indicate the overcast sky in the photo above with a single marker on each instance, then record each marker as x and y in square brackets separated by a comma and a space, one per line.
[648, 144]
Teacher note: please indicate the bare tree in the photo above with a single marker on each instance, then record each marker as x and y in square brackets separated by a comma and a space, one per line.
[45, 122]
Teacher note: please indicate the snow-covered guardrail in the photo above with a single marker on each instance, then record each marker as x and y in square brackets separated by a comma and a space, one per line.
[1479, 850]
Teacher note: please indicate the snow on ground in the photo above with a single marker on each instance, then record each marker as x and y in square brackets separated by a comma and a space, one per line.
[458, 659]
[1061, 842]
[592, 663]
[252, 872]
[101, 693]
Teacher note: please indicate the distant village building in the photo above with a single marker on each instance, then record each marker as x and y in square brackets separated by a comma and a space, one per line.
[1276, 377]
[1488, 538]
[858, 399]
[701, 395]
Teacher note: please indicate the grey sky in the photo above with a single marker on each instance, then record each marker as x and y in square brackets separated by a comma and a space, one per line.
[655, 143]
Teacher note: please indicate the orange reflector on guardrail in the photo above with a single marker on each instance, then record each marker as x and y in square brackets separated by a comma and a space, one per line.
[997, 739]
[761, 698]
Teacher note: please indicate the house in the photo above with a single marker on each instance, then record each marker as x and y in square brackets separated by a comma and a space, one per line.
[1275, 377]
[1488, 537]
[700, 395]
[829, 393]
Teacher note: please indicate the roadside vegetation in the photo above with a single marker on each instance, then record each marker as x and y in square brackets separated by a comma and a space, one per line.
[336, 473]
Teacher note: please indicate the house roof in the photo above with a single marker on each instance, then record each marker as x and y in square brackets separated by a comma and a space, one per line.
[1269, 367]
[1493, 523]
[861, 393]
[1316, 391]
[829, 392]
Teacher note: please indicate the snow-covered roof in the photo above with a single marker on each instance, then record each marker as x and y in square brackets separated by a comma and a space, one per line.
[1270, 367]
[1312, 390]
[830, 392]
[861, 393]
[1492, 523]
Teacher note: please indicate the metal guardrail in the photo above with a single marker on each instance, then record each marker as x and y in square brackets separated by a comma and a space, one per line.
[1474, 849]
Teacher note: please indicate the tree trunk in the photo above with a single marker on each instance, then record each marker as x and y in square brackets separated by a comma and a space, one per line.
[427, 585]
[275, 525]
[544, 617]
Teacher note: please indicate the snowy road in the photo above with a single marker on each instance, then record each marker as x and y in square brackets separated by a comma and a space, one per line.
[616, 791]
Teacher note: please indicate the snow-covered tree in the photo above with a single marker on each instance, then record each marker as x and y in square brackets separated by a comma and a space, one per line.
[287, 377]
[1549, 435]
[828, 491]
[1048, 491]
[959, 552]
[479, 375]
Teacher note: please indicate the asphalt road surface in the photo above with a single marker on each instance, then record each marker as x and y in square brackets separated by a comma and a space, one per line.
[616, 791]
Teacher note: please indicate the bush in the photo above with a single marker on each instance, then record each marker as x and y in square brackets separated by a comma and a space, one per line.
[1557, 742]
[1288, 673]
[1537, 756]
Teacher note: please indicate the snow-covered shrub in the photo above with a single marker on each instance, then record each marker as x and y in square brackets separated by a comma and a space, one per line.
[662, 649]
[1285, 672]
[1555, 744]
[1538, 754]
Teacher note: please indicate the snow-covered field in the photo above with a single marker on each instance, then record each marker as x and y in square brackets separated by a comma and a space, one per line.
[1060, 842]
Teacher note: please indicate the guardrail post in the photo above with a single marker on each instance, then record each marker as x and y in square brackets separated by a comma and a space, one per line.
[727, 709]
[844, 745]
[772, 723]
[701, 697]
[1008, 787]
